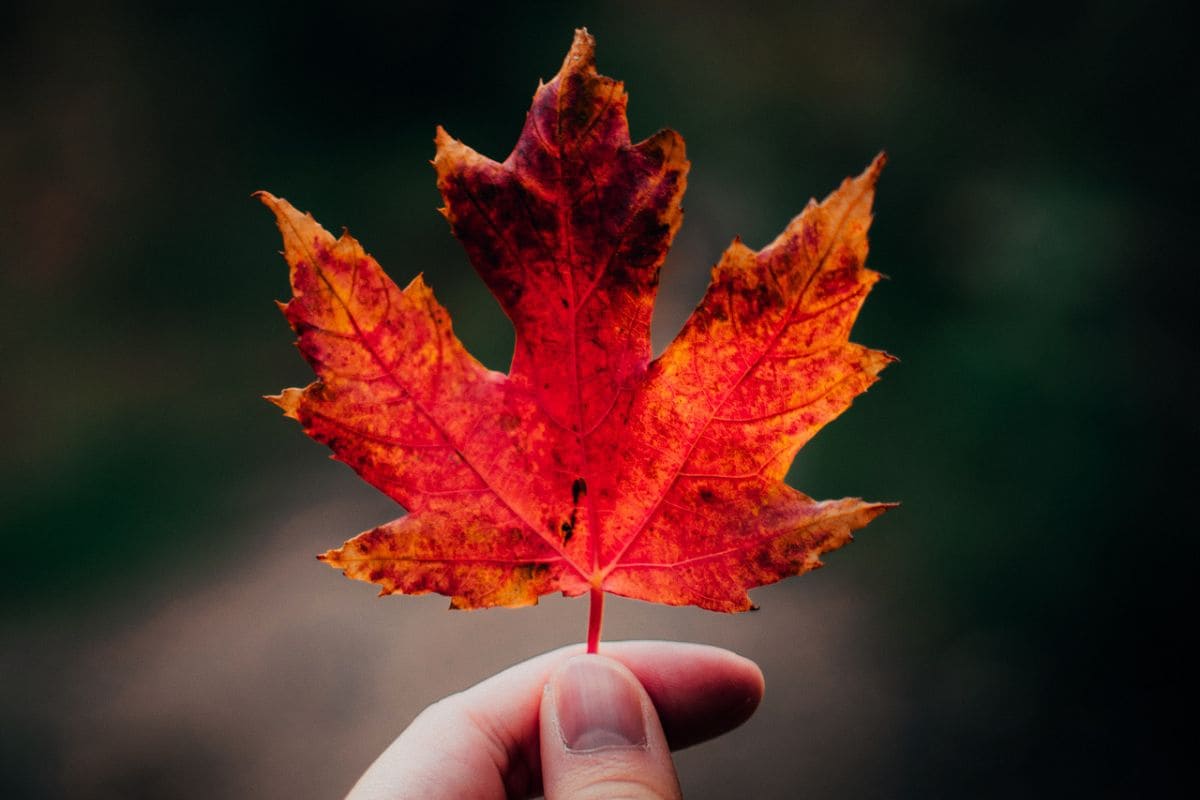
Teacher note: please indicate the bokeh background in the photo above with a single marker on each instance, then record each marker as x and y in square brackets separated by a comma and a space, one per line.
[1015, 629]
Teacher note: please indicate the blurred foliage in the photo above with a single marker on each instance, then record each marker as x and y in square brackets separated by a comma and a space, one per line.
[1039, 429]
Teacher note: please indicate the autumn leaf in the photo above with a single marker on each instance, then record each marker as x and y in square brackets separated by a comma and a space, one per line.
[589, 467]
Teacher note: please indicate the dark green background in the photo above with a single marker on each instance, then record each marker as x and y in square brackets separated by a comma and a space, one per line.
[1021, 613]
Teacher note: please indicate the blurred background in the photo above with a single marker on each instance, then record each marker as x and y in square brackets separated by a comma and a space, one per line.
[1015, 629]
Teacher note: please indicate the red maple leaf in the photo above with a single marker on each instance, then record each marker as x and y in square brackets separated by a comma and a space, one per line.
[589, 467]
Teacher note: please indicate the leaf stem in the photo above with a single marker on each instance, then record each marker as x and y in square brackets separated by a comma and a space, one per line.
[595, 619]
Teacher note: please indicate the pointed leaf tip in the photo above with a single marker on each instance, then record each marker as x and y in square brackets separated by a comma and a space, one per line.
[267, 199]
[288, 400]
[876, 166]
[283, 211]
[582, 55]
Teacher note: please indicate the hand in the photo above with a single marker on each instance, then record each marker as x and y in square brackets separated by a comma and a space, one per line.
[575, 726]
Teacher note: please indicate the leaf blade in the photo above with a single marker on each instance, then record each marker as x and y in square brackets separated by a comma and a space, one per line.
[588, 467]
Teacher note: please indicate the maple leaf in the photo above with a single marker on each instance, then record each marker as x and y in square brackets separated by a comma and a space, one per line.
[589, 467]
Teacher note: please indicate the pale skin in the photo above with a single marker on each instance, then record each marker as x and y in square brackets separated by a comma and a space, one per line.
[570, 725]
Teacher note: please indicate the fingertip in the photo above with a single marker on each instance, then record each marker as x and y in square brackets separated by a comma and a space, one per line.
[699, 691]
[749, 676]
[745, 672]
[601, 736]
[598, 703]
[722, 697]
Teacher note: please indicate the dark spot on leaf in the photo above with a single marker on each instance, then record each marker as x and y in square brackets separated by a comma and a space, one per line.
[568, 527]
[578, 489]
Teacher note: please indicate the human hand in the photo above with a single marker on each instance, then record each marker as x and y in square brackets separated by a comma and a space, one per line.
[575, 726]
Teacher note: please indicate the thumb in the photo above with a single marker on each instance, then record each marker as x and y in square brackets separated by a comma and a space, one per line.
[601, 737]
